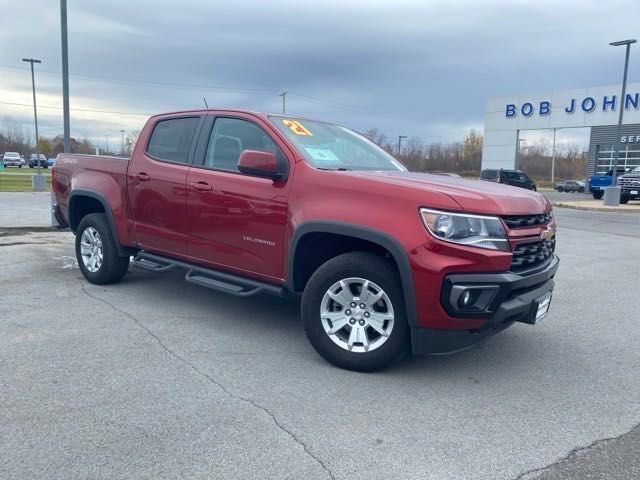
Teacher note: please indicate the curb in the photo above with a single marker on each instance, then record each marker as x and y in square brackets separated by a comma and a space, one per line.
[596, 209]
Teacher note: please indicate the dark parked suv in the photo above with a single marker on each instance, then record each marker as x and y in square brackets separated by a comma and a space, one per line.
[516, 178]
[35, 160]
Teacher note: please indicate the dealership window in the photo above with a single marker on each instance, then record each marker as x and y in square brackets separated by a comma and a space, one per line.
[628, 157]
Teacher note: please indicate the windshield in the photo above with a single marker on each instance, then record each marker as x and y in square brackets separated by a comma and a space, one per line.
[331, 147]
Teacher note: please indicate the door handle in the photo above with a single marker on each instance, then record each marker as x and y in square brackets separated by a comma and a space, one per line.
[143, 177]
[202, 186]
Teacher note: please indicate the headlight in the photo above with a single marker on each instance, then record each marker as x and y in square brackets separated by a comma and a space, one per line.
[473, 230]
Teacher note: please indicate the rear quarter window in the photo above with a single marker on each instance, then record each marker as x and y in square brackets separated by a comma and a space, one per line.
[171, 139]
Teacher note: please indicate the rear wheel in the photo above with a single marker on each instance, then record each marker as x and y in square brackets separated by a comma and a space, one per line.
[560, 189]
[97, 251]
[354, 313]
[597, 194]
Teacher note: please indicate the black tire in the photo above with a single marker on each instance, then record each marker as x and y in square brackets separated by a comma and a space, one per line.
[581, 190]
[597, 194]
[113, 266]
[370, 267]
[30, 166]
[19, 166]
[560, 189]
[624, 199]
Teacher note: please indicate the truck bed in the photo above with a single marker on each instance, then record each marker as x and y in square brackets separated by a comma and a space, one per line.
[91, 171]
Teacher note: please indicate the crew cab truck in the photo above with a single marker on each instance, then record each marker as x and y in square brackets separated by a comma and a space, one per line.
[629, 184]
[386, 261]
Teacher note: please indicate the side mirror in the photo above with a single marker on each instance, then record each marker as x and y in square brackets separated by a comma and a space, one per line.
[259, 164]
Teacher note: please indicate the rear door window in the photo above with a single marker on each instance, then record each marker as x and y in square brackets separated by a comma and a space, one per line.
[489, 174]
[171, 139]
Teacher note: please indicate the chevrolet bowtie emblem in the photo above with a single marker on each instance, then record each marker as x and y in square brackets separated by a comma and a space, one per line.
[547, 234]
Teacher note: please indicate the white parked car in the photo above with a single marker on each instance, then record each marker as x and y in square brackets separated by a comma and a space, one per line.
[13, 159]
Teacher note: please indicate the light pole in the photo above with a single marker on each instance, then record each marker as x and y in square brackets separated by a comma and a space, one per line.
[107, 144]
[553, 159]
[37, 183]
[400, 137]
[612, 194]
[122, 142]
[65, 75]
[520, 148]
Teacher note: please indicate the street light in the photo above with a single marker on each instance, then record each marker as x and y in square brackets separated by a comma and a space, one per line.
[400, 137]
[612, 194]
[122, 143]
[37, 182]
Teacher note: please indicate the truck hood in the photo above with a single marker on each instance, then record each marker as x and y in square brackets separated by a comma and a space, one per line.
[472, 195]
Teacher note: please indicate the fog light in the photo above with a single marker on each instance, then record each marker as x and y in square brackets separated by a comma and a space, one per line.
[465, 299]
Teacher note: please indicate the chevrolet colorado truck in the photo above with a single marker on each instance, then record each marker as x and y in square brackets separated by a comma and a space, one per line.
[386, 261]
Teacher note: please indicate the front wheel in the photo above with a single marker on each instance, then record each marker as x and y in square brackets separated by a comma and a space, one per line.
[354, 313]
[598, 194]
[97, 251]
[624, 199]
[560, 189]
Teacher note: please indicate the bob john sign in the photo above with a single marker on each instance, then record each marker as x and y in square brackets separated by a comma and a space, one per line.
[588, 107]
[586, 104]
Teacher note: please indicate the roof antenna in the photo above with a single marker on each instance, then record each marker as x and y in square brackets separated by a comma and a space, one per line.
[205, 102]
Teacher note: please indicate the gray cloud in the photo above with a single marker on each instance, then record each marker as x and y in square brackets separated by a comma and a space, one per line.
[417, 68]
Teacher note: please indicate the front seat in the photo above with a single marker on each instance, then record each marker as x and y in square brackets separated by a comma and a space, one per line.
[226, 152]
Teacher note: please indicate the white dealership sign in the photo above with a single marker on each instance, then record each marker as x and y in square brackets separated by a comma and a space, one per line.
[587, 107]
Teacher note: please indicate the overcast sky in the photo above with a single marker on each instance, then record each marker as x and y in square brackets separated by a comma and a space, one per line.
[420, 68]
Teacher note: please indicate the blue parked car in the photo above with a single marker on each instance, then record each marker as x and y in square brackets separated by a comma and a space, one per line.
[51, 162]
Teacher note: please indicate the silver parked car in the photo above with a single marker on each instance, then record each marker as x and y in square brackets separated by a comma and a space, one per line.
[12, 159]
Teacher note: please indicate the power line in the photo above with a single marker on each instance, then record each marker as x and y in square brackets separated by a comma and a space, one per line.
[187, 86]
[139, 114]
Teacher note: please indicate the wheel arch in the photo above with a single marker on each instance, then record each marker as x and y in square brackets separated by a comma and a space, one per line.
[378, 240]
[83, 202]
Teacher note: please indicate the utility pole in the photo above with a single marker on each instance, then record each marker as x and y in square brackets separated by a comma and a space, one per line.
[612, 194]
[65, 75]
[122, 144]
[107, 143]
[37, 183]
[400, 137]
[283, 95]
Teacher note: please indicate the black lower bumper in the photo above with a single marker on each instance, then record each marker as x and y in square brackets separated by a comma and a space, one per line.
[515, 297]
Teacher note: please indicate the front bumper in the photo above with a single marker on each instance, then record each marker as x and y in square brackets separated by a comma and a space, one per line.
[513, 299]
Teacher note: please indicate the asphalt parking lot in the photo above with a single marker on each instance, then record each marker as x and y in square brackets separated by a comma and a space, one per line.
[158, 378]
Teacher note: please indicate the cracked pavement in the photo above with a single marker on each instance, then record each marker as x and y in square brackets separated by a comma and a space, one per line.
[158, 378]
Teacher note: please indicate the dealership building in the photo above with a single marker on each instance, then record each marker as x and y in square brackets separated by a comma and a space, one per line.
[598, 107]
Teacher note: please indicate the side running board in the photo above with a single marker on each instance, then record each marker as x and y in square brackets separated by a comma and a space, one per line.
[205, 277]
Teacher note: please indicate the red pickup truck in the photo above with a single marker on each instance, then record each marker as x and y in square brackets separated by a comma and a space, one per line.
[386, 261]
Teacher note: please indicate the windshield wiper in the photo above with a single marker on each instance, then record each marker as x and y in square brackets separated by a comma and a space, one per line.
[340, 169]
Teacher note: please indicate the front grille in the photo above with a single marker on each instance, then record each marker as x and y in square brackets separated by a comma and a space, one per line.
[530, 255]
[515, 221]
[629, 182]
